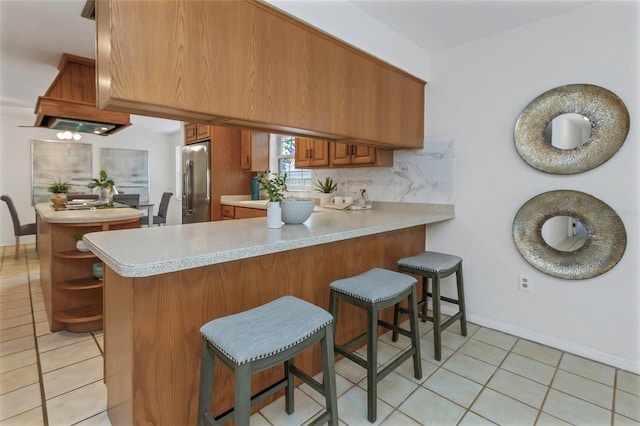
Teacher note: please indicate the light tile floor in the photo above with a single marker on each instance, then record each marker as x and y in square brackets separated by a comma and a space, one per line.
[485, 378]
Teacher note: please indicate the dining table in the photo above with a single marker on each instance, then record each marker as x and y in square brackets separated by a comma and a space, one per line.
[149, 208]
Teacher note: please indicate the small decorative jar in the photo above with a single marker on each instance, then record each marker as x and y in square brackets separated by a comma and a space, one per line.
[80, 246]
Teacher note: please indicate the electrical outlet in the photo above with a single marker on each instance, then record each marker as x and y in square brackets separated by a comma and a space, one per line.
[524, 284]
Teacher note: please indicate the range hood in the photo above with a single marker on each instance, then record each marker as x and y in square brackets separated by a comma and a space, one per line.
[70, 101]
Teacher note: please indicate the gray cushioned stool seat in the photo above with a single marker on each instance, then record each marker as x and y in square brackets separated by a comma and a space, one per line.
[373, 291]
[265, 330]
[433, 265]
[260, 338]
[431, 261]
[375, 285]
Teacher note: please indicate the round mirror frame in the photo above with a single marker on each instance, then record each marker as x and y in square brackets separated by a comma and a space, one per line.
[606, 236]
[609, 119]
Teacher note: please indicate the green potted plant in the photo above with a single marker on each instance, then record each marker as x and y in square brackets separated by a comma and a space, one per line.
[106, 185]
[274, 187]
[58, 188]
[325, 189]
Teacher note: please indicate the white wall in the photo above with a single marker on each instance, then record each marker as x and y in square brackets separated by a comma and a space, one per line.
[475, 96]
[15, 162]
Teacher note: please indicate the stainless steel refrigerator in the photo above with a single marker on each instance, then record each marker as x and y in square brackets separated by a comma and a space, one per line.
[195, 183]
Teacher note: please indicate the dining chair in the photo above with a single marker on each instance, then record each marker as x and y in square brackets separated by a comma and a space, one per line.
[19, 230]
[161, 218]
[131, 199]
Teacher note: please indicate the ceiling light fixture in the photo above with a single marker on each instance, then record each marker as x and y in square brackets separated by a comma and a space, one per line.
[67, 135]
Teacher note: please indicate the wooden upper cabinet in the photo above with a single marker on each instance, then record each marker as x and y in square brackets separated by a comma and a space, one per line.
[312, 152]
[202, 131]
[254, 151]
[342, 154]
[190, 133]
[245, 64]
[196, 132]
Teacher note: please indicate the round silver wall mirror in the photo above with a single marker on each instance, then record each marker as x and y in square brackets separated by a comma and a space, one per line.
[603, 239]
[564, 233]
[571, 129]
[568, 131]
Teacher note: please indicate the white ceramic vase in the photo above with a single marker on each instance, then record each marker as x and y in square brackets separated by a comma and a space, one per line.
[325, 199]
[274, 215]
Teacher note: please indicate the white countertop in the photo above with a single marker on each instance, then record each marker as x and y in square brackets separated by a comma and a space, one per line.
[151, 251]
[49, 214]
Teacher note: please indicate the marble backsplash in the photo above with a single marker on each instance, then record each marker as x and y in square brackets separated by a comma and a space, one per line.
[417, 176]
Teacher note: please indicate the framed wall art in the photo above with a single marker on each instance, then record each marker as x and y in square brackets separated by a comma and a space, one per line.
[129, 169]
[67, 161]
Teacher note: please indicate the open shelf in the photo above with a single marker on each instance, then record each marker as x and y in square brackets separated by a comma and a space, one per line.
[74, 254]
[80, 284]
[80, 314]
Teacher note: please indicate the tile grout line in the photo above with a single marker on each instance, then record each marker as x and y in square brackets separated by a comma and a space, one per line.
[546, 394]
[613, 395]
[45, 416]
[485, 385]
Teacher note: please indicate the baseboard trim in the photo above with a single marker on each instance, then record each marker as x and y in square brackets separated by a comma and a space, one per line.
[573, 348]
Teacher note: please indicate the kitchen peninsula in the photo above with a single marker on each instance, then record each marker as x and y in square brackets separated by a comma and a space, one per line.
[162, 284]
[72, 295]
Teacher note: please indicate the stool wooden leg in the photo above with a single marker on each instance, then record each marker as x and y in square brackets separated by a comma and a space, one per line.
[288, 396]
[396, 321]
[242, 397]
[435, 291]
[333, 309]
[206, 383]
[372, 364]
[329, 376]
[17, 246]
[425, 298]
[415, 334]
[461, 305]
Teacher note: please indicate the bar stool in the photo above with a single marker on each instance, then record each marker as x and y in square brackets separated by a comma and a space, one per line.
[373, 291]
[434, 266]
[258, 339]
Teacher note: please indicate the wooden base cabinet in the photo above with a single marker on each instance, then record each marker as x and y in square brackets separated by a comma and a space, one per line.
[234, 212]
[72, 295]
[152, 342]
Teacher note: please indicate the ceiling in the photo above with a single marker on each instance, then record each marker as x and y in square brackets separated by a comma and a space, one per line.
[35, 33]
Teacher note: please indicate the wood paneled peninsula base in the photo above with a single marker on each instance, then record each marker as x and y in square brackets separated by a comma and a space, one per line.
[162, 284]
[72, 295]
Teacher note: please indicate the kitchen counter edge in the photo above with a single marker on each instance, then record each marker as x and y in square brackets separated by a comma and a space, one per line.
[147, 252]
[49, 214]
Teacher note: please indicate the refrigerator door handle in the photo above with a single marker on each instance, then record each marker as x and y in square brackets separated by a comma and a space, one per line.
[190, 187]
[185, 187]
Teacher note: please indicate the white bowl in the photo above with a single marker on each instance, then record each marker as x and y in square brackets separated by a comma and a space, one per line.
[296, 210]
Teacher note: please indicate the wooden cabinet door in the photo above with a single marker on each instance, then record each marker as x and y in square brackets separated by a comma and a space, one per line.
[340, 154]
[190, 133]
[228, 212]
[311, 153]
[246, 213]
[363, 154]
[245, 150]
[319, 152]
[202, 131]
[302, 152]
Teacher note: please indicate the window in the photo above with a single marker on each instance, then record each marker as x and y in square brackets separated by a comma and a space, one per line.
[286, 158]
